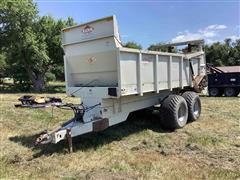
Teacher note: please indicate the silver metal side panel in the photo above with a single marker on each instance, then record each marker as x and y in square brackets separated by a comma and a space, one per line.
[141, 72]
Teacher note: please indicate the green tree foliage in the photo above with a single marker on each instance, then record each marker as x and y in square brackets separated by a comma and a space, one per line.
[31, 52]
[3, 66]
[50, 29]
[26, 50]
[157, 47]
[223, 54]
[133, 45]
[32, 43]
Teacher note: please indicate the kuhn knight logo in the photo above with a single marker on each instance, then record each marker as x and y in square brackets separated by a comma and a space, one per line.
[87, 29]
[91, 60]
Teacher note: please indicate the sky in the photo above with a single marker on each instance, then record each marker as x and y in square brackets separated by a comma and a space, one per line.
[154, 21]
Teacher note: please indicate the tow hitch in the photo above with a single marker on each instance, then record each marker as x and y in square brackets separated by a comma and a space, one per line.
[65, 131]
[43, 139]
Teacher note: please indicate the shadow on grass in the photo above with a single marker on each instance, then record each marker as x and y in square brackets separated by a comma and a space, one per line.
[136, 122]
[50, 89]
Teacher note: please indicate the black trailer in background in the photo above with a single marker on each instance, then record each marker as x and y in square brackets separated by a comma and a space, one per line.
[224, 81]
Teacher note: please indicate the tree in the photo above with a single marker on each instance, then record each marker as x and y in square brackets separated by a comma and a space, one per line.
[235, 52]
[50, 29]
[157, 47]
[228, 41]
[24, 46]
[3, 66]
[32, 43]
[133, 45]
[223, 54]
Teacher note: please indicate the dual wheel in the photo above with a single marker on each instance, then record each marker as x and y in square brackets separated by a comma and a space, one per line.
[176, 110]
[228, 92]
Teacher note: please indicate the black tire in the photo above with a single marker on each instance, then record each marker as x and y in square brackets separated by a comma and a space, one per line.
[174, 112]
[194, 105]
[229, 92]
[214, 92]
[237, 93]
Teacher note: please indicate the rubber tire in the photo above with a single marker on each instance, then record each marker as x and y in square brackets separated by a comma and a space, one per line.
[232, 94]
[237, 93]
[169, 112]
[192, 98]
[217, 94]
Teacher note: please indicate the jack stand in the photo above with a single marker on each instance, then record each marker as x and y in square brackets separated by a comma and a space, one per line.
[69, 138]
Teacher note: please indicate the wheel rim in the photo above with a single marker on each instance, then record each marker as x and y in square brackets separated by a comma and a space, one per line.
[229, 92]
[214, 91]
[182, 113]
[196, 108]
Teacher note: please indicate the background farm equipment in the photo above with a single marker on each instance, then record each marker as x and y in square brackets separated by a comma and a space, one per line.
[223, 80]
[38, 101]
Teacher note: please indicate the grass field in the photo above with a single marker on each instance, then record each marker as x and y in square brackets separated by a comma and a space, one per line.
[136, 149]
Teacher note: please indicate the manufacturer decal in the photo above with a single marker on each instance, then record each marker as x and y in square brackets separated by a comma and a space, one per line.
[91, 60]
[87, 29]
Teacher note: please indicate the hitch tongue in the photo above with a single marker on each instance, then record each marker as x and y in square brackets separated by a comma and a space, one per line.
[43, 139]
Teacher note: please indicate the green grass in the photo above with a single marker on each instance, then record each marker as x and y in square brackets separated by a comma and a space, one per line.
[207, 139]
[226, 174]
[136, 149]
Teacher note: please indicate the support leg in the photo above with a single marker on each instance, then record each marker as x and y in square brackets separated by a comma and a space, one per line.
[69, 138]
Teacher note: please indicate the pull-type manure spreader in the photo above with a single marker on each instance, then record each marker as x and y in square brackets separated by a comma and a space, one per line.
[113, 81]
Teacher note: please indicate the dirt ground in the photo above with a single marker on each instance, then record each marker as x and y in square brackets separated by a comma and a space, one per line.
[136, 149]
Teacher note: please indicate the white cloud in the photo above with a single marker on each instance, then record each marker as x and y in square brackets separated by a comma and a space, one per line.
[205, 33]
[186, 37]
[216, 26]
[208, 34]
[234, 38]
[221, 27]
[210, 41]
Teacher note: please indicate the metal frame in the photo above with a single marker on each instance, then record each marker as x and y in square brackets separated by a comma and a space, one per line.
[116, 112]
[115, 109]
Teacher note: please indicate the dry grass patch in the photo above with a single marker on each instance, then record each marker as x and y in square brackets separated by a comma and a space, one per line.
[136, 149]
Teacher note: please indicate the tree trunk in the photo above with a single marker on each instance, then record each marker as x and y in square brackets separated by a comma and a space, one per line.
[36, 79]
[39, 84]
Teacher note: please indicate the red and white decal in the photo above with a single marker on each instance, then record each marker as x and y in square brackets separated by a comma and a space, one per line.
[91, 60]
[87, 29]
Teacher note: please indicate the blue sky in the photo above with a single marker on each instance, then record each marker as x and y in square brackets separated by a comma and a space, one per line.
[156, 21]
